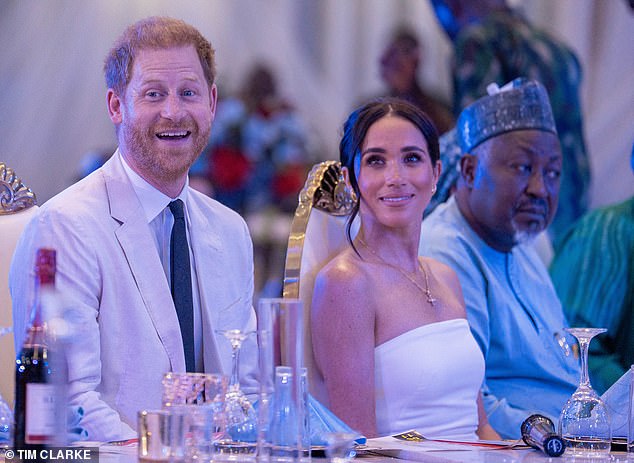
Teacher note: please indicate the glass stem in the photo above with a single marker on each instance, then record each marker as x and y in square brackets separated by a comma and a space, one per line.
[235, 368]
[583, 354]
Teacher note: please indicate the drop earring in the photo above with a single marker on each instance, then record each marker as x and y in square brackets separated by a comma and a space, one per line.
[344, 197]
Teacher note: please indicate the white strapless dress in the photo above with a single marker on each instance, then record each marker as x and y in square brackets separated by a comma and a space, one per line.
[428, 379]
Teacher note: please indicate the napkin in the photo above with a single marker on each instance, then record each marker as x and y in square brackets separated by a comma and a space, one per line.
[616, 400]
[323, 421]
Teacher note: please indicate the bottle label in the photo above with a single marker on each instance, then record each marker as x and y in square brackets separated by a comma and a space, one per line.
[40, 413]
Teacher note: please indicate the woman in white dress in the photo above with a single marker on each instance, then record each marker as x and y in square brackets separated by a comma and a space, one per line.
[389, 328]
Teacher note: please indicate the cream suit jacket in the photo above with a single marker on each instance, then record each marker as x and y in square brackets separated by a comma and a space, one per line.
[126, 331]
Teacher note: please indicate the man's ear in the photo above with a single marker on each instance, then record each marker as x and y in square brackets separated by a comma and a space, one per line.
[114, 107]
[213, 99]
[468, 166]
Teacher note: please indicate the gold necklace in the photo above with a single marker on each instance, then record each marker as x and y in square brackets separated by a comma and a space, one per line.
[426, 291]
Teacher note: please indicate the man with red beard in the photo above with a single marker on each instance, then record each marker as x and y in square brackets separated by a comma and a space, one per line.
[505, 196]
[151, 269]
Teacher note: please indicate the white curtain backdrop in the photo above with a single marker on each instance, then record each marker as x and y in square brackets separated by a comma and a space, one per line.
[52, 98]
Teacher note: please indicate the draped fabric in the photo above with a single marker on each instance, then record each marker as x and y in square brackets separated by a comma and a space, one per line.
[52, 104]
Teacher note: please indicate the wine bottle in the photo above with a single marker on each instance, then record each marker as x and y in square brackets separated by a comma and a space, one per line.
[34, 388]
[538, 432]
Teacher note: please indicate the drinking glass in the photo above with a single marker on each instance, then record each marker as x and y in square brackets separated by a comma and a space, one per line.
[630, 416]
[192, 388]
[160, 435]
[340, 446]
[198, 400]
[584, 423]
[283, 382]
[6, 414]
[283, 428]
[241, 417]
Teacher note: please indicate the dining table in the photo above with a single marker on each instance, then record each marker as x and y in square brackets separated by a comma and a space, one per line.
[128, 454]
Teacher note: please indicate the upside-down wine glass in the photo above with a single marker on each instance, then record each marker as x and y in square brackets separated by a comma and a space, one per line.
[6, 414]
[584, 423]
[241, 418]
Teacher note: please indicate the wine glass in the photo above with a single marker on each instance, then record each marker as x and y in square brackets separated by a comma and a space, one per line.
[6, 414]
[584, 423]
[340, 446]
[241, 418]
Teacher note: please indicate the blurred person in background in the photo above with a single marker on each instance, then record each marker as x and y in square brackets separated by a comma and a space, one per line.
[91, 161]
[399, 64]
[260, 150]
[257, 160]
[494, 43]
[593, 273]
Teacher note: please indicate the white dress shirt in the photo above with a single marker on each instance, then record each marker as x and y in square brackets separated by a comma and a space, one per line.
[160, 219]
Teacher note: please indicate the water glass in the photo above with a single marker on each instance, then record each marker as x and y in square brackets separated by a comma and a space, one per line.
[6, 424]
[6, 413]
[283, 429]
[199, 400]
[340, 446]
[305, 450]
[280, 349]
[160, 435]
[630, 416]
[192, 388]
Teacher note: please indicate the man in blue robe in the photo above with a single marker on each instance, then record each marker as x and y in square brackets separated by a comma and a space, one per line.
[506, 195]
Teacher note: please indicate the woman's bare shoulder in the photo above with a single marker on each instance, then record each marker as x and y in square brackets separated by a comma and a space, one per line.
[345, 269]
[343, 281]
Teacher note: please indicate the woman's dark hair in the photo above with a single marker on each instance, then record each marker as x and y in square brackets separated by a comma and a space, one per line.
[356, 128]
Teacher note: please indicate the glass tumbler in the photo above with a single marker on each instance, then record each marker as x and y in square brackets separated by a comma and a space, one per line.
[159, 436]
[198, 399]
[283, 431]
[630, 417]
[6, 413]
[340, 447]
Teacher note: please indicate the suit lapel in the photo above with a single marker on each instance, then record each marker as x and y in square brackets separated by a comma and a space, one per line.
[207, 252]
[137, 244]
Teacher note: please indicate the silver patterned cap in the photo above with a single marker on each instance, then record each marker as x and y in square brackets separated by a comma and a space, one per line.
[519, 105]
